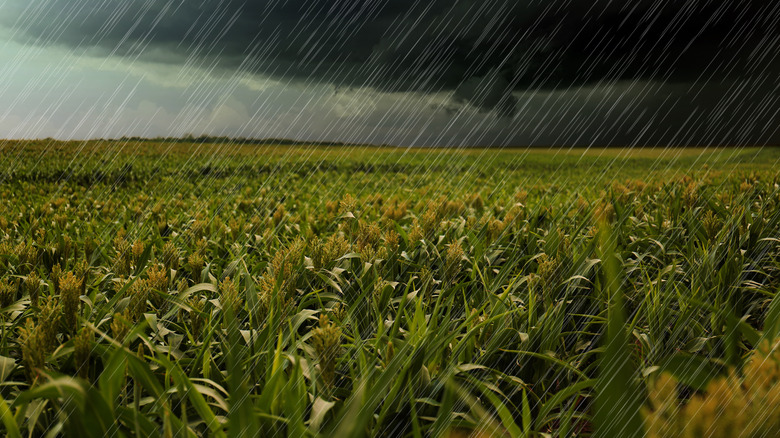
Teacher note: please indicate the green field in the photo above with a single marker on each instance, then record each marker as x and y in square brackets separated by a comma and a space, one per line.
[184, 289]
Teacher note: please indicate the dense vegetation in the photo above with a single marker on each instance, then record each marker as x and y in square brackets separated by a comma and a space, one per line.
[219, 289]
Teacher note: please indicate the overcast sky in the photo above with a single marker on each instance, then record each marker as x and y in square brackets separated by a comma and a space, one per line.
[435, 72]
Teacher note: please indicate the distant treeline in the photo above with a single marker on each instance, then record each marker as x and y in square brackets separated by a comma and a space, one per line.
[235, 140]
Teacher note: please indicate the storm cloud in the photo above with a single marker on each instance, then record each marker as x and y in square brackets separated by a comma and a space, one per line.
[714, 60]
[482, 49]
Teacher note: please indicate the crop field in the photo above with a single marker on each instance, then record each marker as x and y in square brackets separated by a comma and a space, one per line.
[206, 289]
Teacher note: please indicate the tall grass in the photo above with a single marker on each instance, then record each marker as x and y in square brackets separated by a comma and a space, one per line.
[383, 294]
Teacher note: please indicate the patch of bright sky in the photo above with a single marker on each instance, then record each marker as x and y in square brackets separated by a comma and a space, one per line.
[53, 92]
[76, 93]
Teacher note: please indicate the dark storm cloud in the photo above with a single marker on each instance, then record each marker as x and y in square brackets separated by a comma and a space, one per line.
[481, 49]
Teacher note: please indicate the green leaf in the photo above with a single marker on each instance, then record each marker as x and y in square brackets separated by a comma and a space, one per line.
[145, 426]
[527, 421]
[692, 370]
[319, 409]
[57, 388]
[99, 418]
[499, 405]
[7, 366]
[772, 320]
[618, 395]
[561, 396]
[11, 428]
[193, 395]
[295, 400]
[200, 287]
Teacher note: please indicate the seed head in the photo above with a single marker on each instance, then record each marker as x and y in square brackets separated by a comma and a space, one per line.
[82, 344]
[379, 288]
[730, 405]
[416, 232]
[514, 215]
[347, 204]
[285, 265]
[327, 251]
[452, 261]
[278, 215]
[70, 291]
[120, 325]
[138, 251]
[49, 319]
[27, 256]
[157, 281]
[326, 340]
[139, 294]
[712, 225]
[32, 285]
[429, 223]
[604, 212]
[494, 229]
[123, 256]
[369, 235]
[7, 293]
[196, 317]
[691, 194]
[195, 263]
[89, 247]
[34, 349]
[392, 240]
[476, 202]
[197, 230]
[229, 296]
[395, 211]
[549, 274]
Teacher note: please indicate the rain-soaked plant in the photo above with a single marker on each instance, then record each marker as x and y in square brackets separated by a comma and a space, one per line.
[326, 340]
[193, 289]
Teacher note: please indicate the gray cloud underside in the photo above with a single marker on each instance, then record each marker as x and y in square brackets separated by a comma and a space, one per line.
[484, 50]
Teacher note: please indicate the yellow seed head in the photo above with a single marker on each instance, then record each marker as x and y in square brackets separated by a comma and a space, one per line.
[139, 294]
[453, 261]
[49, 319]
[82, 344]
[326, 340]
[120, 325]
[70, 291]
[32, 285]
[229, 296]
[712, 224]
[123, 256]
[549, 274]
[392, 240]
[138, 251]
[416, 232]
[494, 229]
[729, 406]
[196, 317]
[347, 204]
[89, 247]
[278, 215]
[34, 349]
[476, 202]
[7, 293]
[369, 235]
[285, 265]
[195, 263]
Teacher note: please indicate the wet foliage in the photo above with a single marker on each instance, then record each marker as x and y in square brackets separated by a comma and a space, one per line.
[208, 289]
